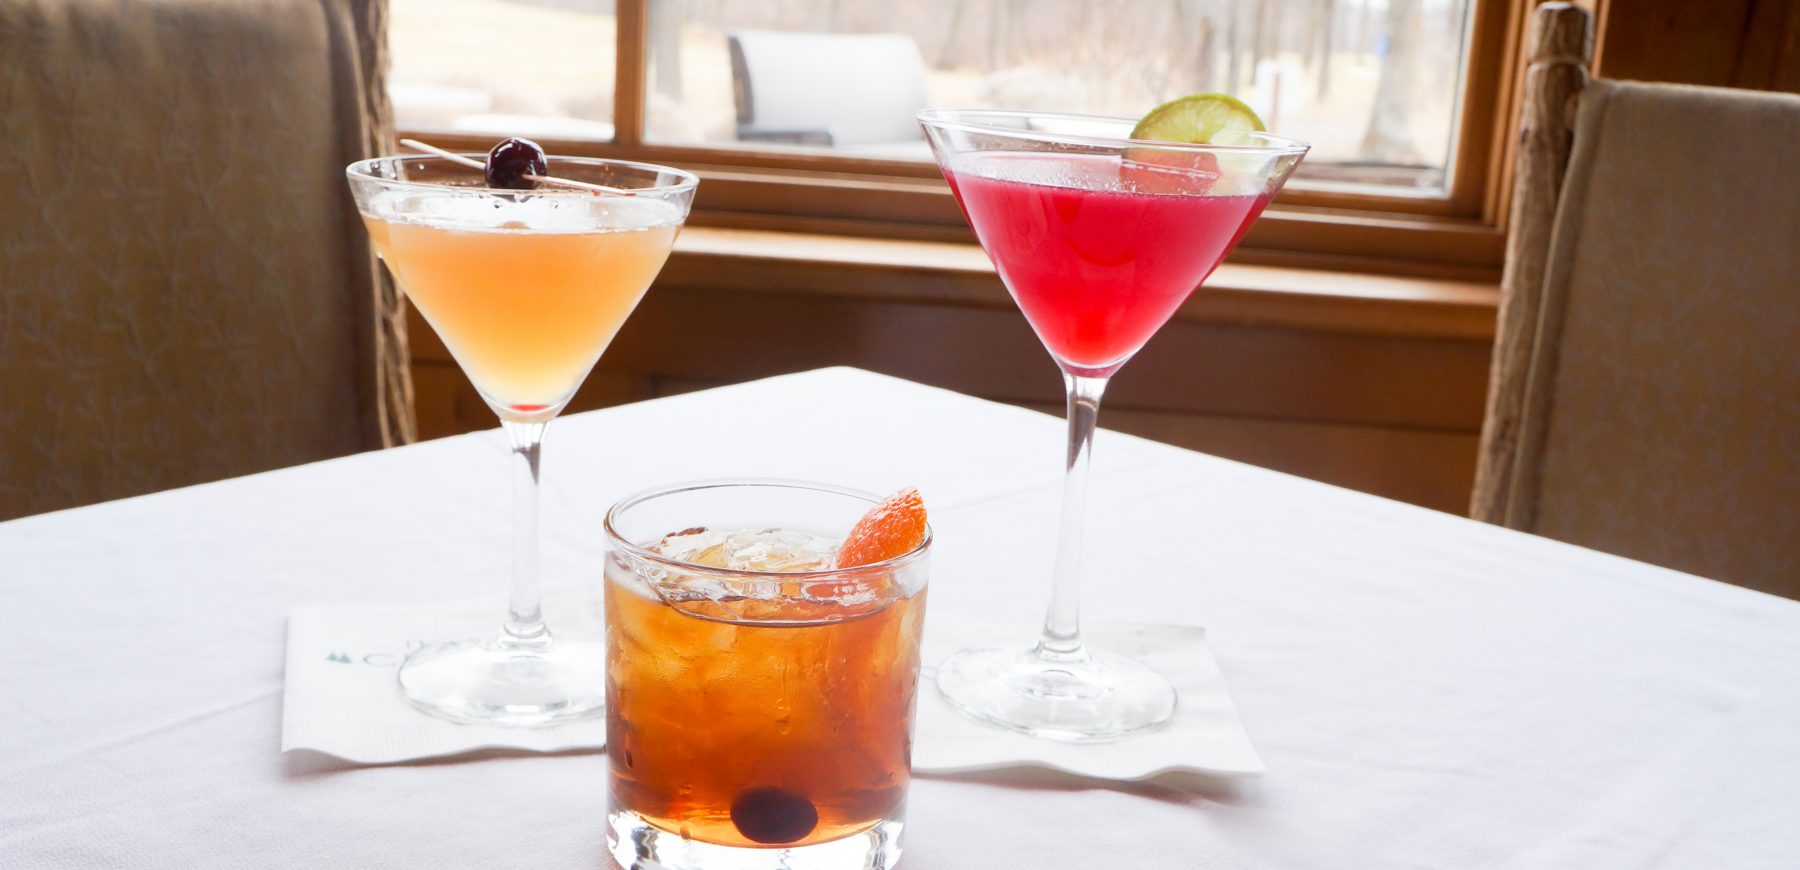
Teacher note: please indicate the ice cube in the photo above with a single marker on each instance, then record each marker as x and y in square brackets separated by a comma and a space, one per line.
[771, 550]
[699, 546]
[778, 550]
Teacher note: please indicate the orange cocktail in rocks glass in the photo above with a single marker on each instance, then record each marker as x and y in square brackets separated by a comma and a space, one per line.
[761, 672]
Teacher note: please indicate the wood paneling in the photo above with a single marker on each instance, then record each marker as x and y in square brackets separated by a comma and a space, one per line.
[1425, 467]
[1359, 403]
[1196, 368]
[960, 274]
[1729, 43]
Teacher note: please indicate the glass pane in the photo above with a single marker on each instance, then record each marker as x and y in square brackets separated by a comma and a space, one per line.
[1373, 84]
[503, 67]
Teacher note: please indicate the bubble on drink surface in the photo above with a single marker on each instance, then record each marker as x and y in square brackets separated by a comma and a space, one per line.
[1146, 170]
[769, 550]
[546, 211]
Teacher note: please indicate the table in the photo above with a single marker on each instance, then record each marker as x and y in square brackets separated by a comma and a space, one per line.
[1427, 691]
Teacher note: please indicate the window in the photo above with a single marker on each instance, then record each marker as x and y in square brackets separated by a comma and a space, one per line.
[1402, 99]
[536, 68]
[1363, 80]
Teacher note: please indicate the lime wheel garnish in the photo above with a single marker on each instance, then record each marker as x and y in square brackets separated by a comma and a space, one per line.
[1198, 119]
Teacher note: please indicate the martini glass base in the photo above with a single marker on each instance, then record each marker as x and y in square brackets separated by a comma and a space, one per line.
[1086, 698]
[485, 681]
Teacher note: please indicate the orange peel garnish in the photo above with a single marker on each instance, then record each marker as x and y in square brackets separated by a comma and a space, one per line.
[894, 527]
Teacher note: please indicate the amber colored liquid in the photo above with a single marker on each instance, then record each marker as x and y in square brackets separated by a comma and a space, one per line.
[526, 314]
[709, 720]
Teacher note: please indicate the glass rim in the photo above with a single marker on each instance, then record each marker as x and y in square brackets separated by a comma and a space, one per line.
[956, 119]
[360, 171]
[613, 538]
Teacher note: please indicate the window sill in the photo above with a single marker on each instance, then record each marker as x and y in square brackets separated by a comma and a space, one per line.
[951, 273]
[828, 195]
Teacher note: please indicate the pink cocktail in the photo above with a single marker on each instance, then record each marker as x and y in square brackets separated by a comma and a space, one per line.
[1099, 238]
[1097, 268]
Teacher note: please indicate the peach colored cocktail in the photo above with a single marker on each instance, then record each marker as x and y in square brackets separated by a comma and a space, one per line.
[526, 307]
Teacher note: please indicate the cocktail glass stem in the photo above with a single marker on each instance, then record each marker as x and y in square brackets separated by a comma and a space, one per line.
[1061, 688]
[525, 617]
[1061, 640]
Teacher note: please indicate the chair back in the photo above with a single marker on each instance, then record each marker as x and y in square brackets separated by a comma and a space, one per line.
[827, 88]
[1646, 391]
[186, 292]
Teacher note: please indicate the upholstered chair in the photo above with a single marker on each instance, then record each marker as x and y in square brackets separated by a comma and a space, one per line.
[186, 293]
[1645, 397]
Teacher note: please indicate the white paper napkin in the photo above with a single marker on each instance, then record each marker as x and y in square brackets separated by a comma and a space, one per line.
[342, 696]
[342, 699]
[1205, 736]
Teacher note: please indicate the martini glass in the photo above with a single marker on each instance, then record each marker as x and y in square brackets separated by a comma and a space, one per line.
[526, 288]
[1099, 238]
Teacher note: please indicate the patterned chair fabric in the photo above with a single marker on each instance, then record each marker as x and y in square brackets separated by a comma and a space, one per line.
[186, 293]
[1661, 405]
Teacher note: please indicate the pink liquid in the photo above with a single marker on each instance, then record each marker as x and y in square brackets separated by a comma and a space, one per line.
[1098, 255]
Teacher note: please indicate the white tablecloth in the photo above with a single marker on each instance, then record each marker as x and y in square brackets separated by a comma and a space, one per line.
[1428, 692]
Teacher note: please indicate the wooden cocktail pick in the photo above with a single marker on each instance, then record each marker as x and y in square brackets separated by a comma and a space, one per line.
[552, 180]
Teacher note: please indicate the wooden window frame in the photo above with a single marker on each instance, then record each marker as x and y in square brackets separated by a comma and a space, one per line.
[1459, 235]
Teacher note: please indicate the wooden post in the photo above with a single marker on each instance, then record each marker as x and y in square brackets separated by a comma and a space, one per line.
[1561, 45]
[632, 18]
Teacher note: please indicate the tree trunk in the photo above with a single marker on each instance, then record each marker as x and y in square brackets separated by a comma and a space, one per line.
[1204, 60]
[1233, 80]
[1327, 44]
[665, 52]
[1259, 32]
[997, 25]
[1389, 138]
[1362, 26]
[946, 55]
